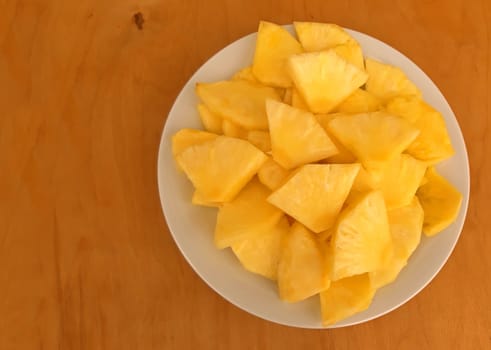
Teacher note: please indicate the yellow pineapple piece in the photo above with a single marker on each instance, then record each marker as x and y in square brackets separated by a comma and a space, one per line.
[302, 269]
[324, 79]
[220, 168]
[239, 101]
[315, 193]
[360, 101]
[260, 139]
[373, 137]
[343, 156]
[199, 199]
[398, 179]
[272, 175]
[245, 74]
[320, 36]
[433, 143]
[362, 241]
[273, 47]
[352, 53]
[386, 81]
[211, 121]
[186, 138]
[233, 130]
[405, 225]
[441, 202]
[296, 136]
[345, 298]
[248, 215]
[261, 254]
[297, 101]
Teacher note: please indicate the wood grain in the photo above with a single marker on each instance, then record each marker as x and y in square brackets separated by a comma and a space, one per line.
[86, 259]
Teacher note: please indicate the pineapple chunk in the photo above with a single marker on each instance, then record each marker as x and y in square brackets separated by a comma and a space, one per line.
[239, 101]
[233, 130]
[315, 193]
[405, 225]
[345, 298]
[261, 254]
[441, 202]
[245, 74]
[398, 180]
[186, 138]
[296, 136]
[260, 139]
[373, 137]
[386, 81]
[220, 168]
[273, 47]
[352, 53]
[343, 156]
[324, 79]
[321, 36]
[199, 199]
[302, 268]
[248, 215]
[361, 242]
[297, 101]
[211, 121]
[433, 143]
[360, 101]
[272, 175]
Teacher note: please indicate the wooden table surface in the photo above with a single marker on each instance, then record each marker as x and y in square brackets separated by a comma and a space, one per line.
[86, 259]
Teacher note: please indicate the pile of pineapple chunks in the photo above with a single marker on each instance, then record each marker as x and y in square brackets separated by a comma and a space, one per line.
[320, 163]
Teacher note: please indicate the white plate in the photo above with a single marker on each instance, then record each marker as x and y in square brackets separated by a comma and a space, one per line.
[192, 227]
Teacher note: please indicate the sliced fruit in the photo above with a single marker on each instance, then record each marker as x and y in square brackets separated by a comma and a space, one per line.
[296, 136]
[320, 36]
[272, 175]
[186, 138]
[233, 130]
[245, 74]
[273, 47]
[345, 298]
[343, 156]
[199, 199]
[302, 269]
[441, 202]
[405, 224]
[315, 193]
[433, 143]
[373, 137]
[297, 101]
[360, 101]
[261, 254]
[211, 121]
[220, 168]
[398, 180]
[260, 139]
[248, 215]
[362, 241]
[352, 53]
[239, 101]
[324, 79]
[386, 81]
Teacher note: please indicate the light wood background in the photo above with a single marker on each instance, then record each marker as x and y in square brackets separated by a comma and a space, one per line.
[86, 259]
